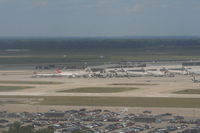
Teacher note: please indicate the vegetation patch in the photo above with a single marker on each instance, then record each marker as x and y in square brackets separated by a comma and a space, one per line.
[188, 91]
[29, 82]
[98, 90]
[17, 127]
[13, 88]
[122, 101]
[137, 84]
[11, 101]
[113, 49]
[114, 101]
[2, 102]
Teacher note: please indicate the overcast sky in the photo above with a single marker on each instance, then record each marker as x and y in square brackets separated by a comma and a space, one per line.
[67, 18]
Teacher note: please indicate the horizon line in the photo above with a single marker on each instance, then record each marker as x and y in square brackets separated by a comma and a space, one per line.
[96, 37]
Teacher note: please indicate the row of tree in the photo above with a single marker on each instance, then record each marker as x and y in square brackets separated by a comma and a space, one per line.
[52, 44]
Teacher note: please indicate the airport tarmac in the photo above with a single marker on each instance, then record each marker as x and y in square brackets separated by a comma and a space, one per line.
[148, 87]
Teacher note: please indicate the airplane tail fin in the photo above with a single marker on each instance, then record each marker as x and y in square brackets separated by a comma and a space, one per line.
[88, 69]
[34, 73]
[194, 78]
[58, 70]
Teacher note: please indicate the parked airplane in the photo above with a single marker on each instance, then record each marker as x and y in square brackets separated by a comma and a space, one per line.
[195, 80]
[157, 73]
[182, 71]
[72, 74]
[57, 74]
[137, 73]
[192, 71]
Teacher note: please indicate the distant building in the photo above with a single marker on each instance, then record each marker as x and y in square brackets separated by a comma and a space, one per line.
[191, 64]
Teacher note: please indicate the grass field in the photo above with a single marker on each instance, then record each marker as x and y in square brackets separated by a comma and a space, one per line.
[10, 102]
[136, 84]
[13, 88]
[28, 82]
[116, 101]
[188, 91]
[123, 101]
[90, 59]
[98, 90]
